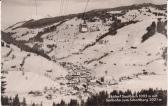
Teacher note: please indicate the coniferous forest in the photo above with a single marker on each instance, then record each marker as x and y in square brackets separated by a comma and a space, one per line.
[103, 99]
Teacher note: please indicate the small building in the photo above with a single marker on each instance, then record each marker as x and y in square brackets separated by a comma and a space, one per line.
[4, 44]
[76, 74]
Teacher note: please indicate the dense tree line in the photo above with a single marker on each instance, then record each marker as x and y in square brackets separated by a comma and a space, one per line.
[100, 99]
[9, 101]
[150, 31]
[3, 83]
[46, 30]
[117, 24]
[164, 55]
[161, 27]
[153, 28]
[22, 45]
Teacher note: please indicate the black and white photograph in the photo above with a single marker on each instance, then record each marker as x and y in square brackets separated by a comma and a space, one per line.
[84, 53]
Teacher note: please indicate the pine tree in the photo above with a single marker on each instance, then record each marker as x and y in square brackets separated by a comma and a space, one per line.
[62, 103]
[16, 101]
[54, 104]
[33, 104]
[4, 99]
[73, 103]
[150, 31]
[24, 102]
[3, 83]
[159, 26]
[82, 103]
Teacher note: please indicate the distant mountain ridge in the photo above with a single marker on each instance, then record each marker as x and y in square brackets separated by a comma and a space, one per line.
[48, 21]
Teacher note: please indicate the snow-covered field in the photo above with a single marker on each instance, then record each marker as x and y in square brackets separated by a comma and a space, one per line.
[122, 59]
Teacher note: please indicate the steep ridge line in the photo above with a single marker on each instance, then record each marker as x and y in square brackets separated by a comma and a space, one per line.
[49, 21]
[20, 44]
[46, 30]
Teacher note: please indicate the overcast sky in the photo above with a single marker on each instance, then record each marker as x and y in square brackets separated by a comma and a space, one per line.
[19, 10]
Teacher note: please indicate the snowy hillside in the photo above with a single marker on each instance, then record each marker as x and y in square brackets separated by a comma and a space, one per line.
[123, 46]
[28, 69]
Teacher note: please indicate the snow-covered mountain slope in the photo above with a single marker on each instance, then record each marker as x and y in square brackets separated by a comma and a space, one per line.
[132, 61]
[123, 46]
[28, 71]
[19, 83]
